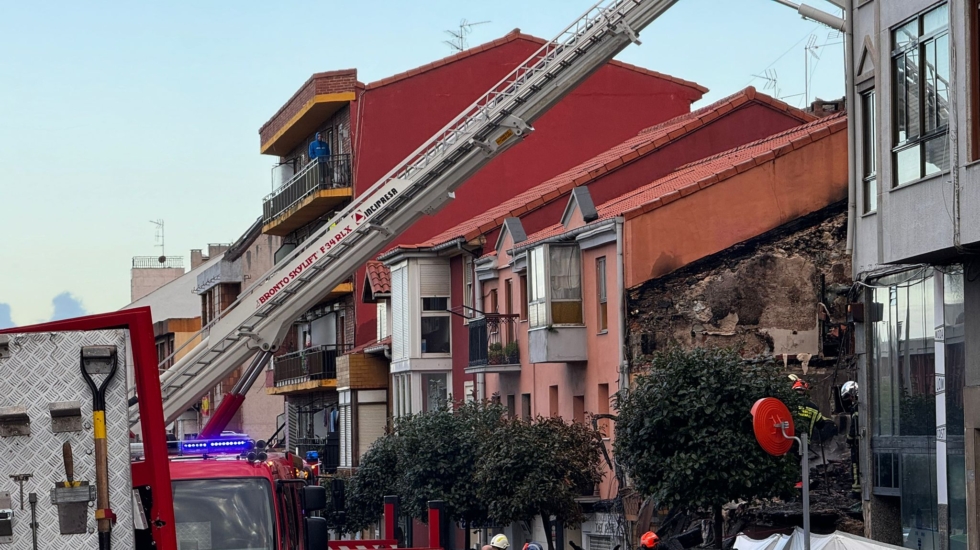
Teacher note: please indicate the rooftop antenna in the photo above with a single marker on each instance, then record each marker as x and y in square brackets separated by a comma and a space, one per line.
[158, 239]
[772, 81]
[809, 50]
[458, 42]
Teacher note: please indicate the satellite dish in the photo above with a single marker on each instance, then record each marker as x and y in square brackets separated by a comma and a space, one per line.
[162, 259]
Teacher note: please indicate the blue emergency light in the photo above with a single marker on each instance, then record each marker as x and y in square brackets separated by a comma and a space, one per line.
[234, 445]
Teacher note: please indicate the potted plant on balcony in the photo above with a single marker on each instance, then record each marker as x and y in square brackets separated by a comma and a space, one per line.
[511, 354]
[496, 354]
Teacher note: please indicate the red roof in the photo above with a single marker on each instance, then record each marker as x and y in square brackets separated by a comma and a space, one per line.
[706, 172]
[516, 34]
[645, 143]
[379, 276]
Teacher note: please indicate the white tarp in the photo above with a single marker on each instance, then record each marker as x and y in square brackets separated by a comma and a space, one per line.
[835, 541]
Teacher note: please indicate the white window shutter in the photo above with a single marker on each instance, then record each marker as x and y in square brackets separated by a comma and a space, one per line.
[434, 279]
[370, 425]
[399, 313]
[346, 438]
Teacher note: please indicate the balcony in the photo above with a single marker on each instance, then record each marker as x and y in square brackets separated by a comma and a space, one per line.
[493, 344]
[312, 192]
[306, 370]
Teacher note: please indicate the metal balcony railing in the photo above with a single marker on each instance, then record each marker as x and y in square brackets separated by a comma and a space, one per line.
[317, 175]
[493, 340]
[315, 363]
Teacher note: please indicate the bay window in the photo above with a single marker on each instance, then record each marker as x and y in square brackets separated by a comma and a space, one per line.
[920, 68]
[554, 286]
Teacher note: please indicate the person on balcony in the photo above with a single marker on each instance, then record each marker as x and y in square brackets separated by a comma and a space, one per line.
[320, 152]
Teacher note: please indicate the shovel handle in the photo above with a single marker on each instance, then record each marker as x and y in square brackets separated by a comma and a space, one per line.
[69, 462]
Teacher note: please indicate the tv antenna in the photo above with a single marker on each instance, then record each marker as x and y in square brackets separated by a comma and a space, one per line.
[458, 42]
[772, 81]
[158, 239]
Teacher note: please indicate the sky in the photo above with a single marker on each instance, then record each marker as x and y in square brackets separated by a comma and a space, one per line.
[113, 114]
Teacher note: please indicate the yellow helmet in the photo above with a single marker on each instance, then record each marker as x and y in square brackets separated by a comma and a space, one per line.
[500, 541]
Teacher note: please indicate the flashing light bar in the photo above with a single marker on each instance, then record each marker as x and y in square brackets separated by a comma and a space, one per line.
[235, 445]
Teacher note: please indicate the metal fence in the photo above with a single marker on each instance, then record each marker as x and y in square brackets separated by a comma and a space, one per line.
[315, 176]
[156, 262]
[315, 363]
[493, 340]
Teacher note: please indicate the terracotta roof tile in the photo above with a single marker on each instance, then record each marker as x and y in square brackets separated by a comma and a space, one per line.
[690, 178]
[645, 142]
[380, 277]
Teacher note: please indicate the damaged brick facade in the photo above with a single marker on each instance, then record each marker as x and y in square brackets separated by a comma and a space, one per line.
[765, 295]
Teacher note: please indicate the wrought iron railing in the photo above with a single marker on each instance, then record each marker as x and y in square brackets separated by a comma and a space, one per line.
[157, 262]
[315, 363]
[493, 340]
[328, 449]
[315, 176]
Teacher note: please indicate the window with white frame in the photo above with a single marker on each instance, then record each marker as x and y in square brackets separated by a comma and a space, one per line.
[468, 310]
[600, 281]
[920, 63]
[382, 319]
[434, 282]
[554, 285]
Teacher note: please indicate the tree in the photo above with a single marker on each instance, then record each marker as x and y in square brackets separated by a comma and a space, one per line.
[531, 468]
[376, 477]
[438, 455]
[685, 435]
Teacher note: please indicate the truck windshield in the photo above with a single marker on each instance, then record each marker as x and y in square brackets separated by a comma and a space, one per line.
[224, 514]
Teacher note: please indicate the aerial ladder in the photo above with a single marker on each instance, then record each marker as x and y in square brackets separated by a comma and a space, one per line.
[254, 326]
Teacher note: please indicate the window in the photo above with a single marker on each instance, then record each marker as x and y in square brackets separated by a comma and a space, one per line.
[436, 319]
[511, 406]
[600, 281]
[509, 296]
[523, 283]
[553, 400]
[382, 319]
[869, 157]
[578, 408]
[526, 406]
[603, 408]
[435, 391]
[493, 302]
[555, 293]
[920, 62]
[468, 288]
[202, 521]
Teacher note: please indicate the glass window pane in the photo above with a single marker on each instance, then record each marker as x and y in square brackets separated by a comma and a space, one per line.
[884, 386]
[537, 274]
[919, 516]
[931, 85]
[942, 80]
[912, 93]
[201, 513]
[954, 313]
[935, 19]
[908, 165]
[435, 391]
[565, 273]
[937, 155]
[566, 313]
[435, 334]
[901, 99]
[870, 195]
[435, 304]
[906, 34]
[914, 320]
[868, 134]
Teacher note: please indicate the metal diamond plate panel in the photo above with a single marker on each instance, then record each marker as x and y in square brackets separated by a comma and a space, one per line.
[42, 369]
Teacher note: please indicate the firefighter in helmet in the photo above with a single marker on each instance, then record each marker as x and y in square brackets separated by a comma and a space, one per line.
[649, 540]
[849, 398]
[817, 427]
[500, 542]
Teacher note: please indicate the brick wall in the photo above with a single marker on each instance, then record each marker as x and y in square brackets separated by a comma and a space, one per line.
[320, 83]
[361, 371]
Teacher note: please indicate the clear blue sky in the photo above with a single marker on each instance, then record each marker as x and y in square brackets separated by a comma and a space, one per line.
[116, 113]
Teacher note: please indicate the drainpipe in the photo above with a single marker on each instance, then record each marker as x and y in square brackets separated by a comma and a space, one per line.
[845, 26]
[481, 379]
[621, 288]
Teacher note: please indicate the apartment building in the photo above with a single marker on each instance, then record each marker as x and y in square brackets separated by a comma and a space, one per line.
[369, 129]
[916, 83]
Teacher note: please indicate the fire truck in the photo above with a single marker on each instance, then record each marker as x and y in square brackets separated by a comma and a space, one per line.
[65, 398]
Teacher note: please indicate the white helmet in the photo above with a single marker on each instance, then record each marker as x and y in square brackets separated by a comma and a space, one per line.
[849, 390]
[500, 541]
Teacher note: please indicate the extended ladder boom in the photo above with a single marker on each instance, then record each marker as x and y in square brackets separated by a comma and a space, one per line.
[420, 185]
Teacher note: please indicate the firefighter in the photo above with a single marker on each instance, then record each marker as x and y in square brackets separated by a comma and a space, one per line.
[500, 542]
[849, 398]
[649, 540]
[812, 419]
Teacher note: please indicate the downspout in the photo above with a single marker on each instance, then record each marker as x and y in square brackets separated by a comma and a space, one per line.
[621, 288]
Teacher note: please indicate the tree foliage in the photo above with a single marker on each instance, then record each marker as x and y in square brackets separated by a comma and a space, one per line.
[685, 435]
[486, 467]
[531, 468]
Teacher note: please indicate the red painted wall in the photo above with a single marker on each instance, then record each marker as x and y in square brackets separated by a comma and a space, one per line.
[750, 123]
[393, 120]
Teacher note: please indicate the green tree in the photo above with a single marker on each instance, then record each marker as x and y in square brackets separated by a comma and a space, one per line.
[685, 435]
[377, 477]
[538, 468]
